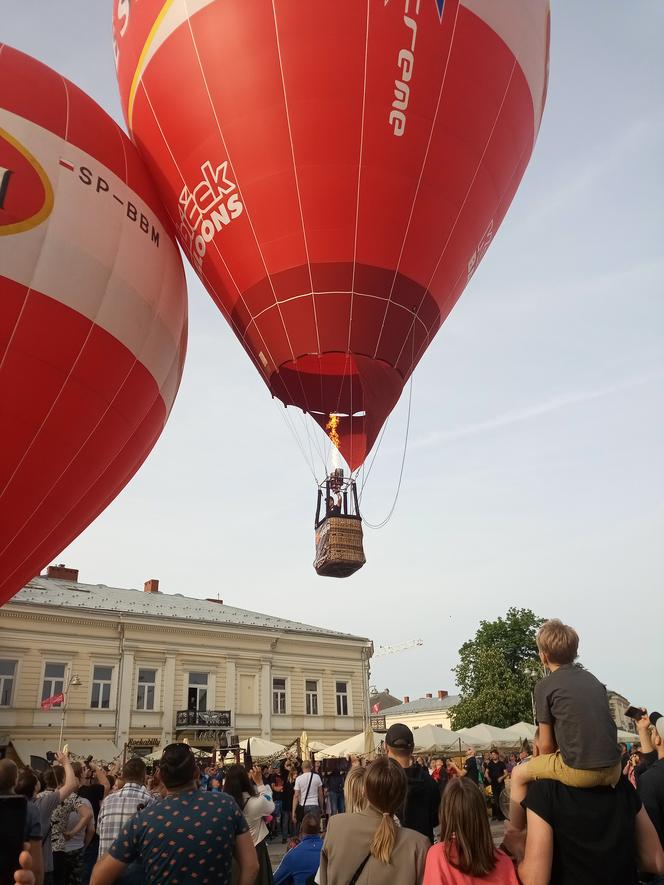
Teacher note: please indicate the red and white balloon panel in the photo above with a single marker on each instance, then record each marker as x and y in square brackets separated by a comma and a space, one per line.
[93, 314]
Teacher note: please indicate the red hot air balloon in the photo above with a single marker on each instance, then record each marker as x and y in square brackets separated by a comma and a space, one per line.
[336, 171]
[93, 314]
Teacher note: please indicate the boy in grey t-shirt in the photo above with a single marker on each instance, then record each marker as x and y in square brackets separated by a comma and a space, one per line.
[578, 741]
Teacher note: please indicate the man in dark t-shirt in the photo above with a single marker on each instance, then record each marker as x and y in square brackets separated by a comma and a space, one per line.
[470, 768]
[585, 836]
[496, 772]
[420, 811]
[650, 785]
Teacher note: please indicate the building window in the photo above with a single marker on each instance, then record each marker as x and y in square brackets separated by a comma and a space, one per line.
[7, 674]
[197, 692]
[101, 688]
[311, 697]
[342, 698]
[54, 681]
[278, 696]
[146, 689]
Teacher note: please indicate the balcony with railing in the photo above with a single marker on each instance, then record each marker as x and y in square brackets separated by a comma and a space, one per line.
[213, 720]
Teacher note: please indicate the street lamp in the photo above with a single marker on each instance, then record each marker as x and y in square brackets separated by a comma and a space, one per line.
[73, 680]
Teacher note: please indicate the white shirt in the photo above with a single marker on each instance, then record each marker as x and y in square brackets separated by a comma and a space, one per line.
[254, 809]
[302, 784]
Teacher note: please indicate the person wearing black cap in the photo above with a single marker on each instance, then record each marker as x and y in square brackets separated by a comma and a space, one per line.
[650, 785]
[420, 810]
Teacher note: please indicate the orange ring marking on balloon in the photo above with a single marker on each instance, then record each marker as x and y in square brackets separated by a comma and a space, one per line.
[136, 79]
[47, 206]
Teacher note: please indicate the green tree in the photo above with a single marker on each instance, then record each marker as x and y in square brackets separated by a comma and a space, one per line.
[497, 671]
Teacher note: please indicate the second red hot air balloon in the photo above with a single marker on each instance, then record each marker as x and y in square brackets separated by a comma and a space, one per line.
[93, 314]
[336, 171]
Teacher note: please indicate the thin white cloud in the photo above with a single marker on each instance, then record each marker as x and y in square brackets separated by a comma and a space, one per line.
[517, 416]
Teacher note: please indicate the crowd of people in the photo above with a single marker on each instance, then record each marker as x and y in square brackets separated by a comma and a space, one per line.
[582, 808]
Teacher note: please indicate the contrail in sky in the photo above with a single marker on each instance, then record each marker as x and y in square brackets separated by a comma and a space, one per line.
[518, 415]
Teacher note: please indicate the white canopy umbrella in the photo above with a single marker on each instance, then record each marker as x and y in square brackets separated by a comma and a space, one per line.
[260, 747]
[526, 730]
[362, 744]
[317, 746]
[483, 736]
[434, 739]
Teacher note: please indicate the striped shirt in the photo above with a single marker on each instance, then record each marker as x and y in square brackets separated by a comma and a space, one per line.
[117, 809]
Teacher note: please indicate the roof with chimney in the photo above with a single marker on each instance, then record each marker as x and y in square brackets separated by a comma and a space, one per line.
[62, 592]
[384, 700]
[425, 705]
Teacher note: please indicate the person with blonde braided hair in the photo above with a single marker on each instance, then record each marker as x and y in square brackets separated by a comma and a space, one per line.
[369, 845]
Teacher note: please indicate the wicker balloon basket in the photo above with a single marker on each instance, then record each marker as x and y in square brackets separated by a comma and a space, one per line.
[339, 550]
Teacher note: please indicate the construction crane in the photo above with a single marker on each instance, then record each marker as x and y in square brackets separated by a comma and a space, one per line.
[395, 649]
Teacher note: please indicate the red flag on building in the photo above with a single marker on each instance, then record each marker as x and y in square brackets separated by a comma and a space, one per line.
[376, 708]
[53, 701]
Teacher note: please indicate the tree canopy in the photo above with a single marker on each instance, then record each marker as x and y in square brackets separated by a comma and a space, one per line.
[497, 670]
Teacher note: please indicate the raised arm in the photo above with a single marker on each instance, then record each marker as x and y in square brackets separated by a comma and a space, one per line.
[70, 783]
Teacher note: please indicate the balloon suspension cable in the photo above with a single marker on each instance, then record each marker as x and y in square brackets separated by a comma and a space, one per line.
[308, 460]
[385, 521]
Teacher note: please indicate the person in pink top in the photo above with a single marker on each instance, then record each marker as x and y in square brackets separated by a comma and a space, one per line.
[466, 854]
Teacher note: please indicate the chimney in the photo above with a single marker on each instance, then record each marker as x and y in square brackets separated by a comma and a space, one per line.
[151, 586]
[61, 573]
[429, 695]
[406, 699]
[441, 694]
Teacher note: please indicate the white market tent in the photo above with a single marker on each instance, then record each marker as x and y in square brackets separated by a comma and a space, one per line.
[483, 737]
[526, 730]
[260, 747]
[434, 739]
[628, 737]
[317, 746]
[362, 744]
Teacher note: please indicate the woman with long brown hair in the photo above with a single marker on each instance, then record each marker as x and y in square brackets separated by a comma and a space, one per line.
[370, 846]
[466, 854]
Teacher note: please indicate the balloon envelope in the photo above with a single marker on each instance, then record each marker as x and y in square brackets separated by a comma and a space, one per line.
[93, 314]
[336, 171]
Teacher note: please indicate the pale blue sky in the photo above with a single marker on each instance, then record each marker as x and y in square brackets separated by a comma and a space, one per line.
[535, 471]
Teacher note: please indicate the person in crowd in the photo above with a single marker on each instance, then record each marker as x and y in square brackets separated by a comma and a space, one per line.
[335, 791]
[96, 784]
[287, 825]
[526, 751]
[578, 739]
[371, 840]
[470, 768]
[420, 811]
[59, 782]
[466, 854]
[308, 796]
[512, 762]
[255, 799]
[355, 797]
[214, 785]
[276, 782]
[118, 808]
[438, 772]
[496, 772]
[452, 770]
[650, 784]
[33, 832]
[587, 836]
[629, 769]
[72, 828]
[300, 864]
[183, 833]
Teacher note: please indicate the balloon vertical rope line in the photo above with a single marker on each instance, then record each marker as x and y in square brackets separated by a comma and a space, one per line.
[380, 525]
